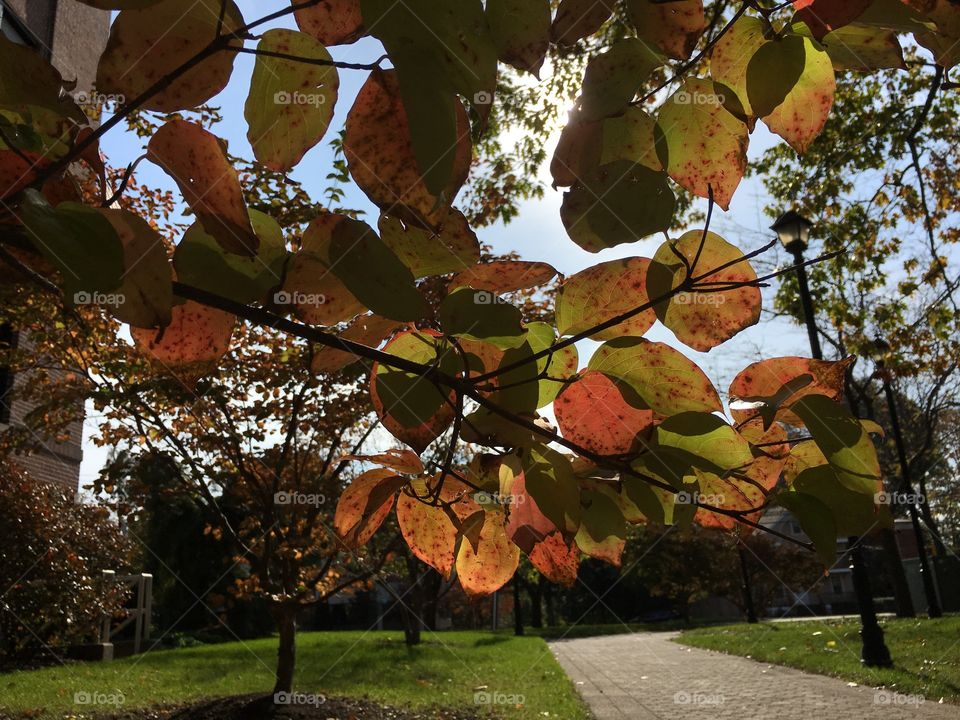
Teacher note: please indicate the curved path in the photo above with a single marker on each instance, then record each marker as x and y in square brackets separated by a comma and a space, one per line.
[647, 676]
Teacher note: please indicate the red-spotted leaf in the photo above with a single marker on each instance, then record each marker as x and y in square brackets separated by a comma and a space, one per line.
[428, 531]
[196, 334]
[703, 319]
[674, 27]
[452, 247]
[791, 85]
[369, 330]
[521, 31]
[290, 103]
[619, 203]
[600, 294]
[823, 16]
[332, 22]
[364, 505]
[665, 380]
[613, 78]
[379, 151]
[488, 565]
[146, 293]
[409, 405]
[209, 183]
[148, 44]
[576, 19]
[859, 48]
[504, 276]
[603, 530]
[703, 145]
[593, 413]
[780, 381]
[558, 560]
[730, 58]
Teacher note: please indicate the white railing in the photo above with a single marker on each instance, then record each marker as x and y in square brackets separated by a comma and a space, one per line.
[142, 585]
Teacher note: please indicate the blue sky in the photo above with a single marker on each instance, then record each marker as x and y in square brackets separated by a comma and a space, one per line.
[537, 233]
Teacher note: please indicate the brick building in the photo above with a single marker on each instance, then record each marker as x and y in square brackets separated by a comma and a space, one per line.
[72, 35]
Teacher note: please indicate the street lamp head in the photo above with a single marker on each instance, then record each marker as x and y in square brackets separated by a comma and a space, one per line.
[793, 230]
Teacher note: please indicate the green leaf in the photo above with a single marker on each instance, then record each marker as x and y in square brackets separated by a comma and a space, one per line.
[843, 441]
[29, 80]
[603, 531]
[706, 440]
[550, 481]
[631, 136]
[411, 407]
[79, 241]
[481, 315]
[613, 78]
[702, 144]
[791, 85]
[290, 103]
[520, 30]
[146, 291]
[621, 203]
[561, 364]
[451, 249]
[860, 48]
[603, 292]
[200, 261]
[674, 27]
[150, 43]
[730, 58]
[665, 380]
[707, 318]
[817, 522]
[854, 513]
[373, 273]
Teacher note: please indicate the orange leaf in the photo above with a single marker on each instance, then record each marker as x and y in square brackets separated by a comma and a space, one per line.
[364, 505]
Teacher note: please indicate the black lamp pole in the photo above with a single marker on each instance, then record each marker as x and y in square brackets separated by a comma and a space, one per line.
[906, 488]
[794, 232]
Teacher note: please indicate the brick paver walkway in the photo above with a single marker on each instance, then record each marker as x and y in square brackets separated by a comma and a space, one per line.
[646, 676]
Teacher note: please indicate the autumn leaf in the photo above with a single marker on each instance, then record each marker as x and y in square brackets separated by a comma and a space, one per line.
[576, 19]
[364, 505]
[504, 276]
[332, 22]
[603, 292]
[521, 31]
[674, 27]
[196, 334]
[489, 565]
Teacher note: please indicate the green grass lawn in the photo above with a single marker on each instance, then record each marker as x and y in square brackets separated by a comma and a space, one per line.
[926, 653]
[447, 669]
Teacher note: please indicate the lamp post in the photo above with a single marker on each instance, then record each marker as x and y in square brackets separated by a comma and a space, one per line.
[794, 232]
[906, 485]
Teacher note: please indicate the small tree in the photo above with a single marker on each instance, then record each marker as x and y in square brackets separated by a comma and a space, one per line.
[53, 554]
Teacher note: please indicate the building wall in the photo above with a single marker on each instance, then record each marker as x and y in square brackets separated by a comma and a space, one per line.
[73, 35]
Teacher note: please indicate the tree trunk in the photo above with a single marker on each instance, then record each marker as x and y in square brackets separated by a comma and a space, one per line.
[551, 604]
[535, 591]
[517, 607]
[286, 617]
[901, 590]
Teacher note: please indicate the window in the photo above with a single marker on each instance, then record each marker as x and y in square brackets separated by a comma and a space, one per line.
[8, 341]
